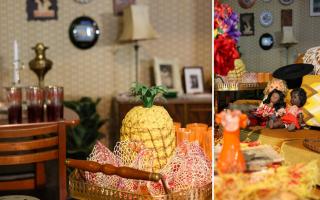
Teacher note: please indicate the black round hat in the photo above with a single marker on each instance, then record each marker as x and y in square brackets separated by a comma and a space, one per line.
[293, 74]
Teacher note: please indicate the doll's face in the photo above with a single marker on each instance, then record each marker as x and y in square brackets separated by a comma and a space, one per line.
[295, 99]
[274, 98]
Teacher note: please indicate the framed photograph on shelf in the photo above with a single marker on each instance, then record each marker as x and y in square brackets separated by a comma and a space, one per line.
[120, 5]
[193, 80]
[247, 24]
[167, 73]
[314, 7]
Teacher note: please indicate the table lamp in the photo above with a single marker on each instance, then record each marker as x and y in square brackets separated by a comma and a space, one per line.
[288, 39]
[136, 27]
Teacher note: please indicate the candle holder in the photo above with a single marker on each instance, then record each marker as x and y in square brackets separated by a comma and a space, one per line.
[17, 66]
[40, 64]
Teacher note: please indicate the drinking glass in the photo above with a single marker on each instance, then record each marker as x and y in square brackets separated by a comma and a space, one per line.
[54, 102]
[208, 143]
[198, 131]
[181, 135]
[14, 98]
[176, 125]
[35, 100]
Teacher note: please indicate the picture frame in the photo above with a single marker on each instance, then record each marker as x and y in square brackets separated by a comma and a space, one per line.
[314, 8]
[286, 17]
[247, 24]
[42, 10]
[120, 5]
[193, 79]
[167, 73]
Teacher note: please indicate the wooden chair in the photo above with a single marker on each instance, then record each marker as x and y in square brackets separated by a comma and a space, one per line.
[33, 144]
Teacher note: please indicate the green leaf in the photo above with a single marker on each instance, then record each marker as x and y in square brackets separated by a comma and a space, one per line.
[80, 139]
[146, 94]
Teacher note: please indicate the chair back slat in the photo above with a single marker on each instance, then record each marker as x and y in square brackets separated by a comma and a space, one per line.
[28, 158]
[34, 143]
[27, 132]
[28, 145]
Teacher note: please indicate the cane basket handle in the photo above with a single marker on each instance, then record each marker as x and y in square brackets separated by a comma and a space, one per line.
[108, 169]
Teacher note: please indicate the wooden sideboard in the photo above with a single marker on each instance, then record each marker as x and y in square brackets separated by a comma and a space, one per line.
[227, 93]
[185, 109]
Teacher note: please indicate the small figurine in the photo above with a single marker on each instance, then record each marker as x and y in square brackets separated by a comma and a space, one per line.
[292, 118]
[268, 108]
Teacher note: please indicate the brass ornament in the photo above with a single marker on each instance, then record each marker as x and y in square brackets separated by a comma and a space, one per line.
[40, 64]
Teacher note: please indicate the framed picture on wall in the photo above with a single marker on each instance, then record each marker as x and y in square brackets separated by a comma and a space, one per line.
[247, 24]
[42, 9]
[193, 80]
[120, 5]
[167, 73]
[314, 7]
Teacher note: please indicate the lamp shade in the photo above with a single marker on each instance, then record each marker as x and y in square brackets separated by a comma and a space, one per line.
[136, 24]
[287, 36]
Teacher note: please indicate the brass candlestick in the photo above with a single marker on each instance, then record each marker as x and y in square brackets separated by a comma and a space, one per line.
[40, 64]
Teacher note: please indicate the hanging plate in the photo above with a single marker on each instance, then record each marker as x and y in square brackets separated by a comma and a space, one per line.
[266, 18]
[286, 2]
[84, 32]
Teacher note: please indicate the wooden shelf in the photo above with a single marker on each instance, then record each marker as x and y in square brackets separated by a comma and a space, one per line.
[239, 86]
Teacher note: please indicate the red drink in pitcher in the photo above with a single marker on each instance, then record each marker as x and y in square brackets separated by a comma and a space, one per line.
[14, 100]
[54, 112]
[35, 100]
[15, 114]
[35, 113]
[54, 101]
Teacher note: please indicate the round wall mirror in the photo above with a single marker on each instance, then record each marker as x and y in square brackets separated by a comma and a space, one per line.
[266, 41]
[84, 32]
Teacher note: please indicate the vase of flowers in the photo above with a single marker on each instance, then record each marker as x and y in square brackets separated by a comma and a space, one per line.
[226, 36]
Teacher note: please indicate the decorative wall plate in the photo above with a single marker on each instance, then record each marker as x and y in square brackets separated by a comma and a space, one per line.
[246, 3]
[83, 1]
[266, 18]
[286, 2]
[84, 32]
[266, 41]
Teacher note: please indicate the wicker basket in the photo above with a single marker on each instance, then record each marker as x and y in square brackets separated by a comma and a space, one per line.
[80, 189]
[312, 144]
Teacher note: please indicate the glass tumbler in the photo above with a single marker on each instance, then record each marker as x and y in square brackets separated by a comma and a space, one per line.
[35, 101]
[14, 98]
[54, 102]
[198, 131]
[208, 143]
[181, 135]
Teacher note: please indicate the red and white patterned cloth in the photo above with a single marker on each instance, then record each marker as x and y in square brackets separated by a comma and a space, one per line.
[264, 111]
[291, 116]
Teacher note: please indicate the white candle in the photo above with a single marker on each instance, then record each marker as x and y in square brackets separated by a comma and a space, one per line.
[15, 51]
[16, 76]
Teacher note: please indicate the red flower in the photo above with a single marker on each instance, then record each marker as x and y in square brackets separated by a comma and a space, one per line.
[225, 52]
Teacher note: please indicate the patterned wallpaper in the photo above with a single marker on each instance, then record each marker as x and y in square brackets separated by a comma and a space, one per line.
[305, 28]
[184, 28]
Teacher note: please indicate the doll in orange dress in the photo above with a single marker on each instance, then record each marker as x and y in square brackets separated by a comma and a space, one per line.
[292, 117]
[268, 108]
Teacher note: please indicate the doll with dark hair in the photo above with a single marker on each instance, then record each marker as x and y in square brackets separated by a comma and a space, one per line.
[292, 117]
[268, 108]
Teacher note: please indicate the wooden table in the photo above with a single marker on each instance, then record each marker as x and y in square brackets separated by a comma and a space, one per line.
[71, 118]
